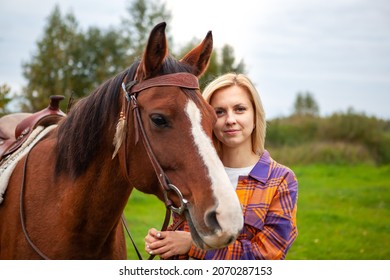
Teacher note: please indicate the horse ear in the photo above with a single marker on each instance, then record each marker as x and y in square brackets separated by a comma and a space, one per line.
[199, 57]
[155, 52]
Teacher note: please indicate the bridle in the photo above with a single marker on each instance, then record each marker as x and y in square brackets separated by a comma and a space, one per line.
[132, 90]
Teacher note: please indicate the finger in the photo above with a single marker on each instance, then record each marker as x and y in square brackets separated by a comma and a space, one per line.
[152, 232]
[162, 234]
[157, 244]
[147, 248]
[158, 251]
[150, 239]
[159, 247]
[168, 254]
[156, 234]
[153, 235]
[150, 251]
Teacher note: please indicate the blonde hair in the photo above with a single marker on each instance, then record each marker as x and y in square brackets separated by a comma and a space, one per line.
[241, 80]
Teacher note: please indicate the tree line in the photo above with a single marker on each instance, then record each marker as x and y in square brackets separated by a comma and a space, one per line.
[342, 138]
[71, 61]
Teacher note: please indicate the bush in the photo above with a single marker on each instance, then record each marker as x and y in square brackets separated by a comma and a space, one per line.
[340, 138]
[292, 131]
[339, 153]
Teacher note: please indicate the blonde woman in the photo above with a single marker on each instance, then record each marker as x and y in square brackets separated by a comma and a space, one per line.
[267, 190]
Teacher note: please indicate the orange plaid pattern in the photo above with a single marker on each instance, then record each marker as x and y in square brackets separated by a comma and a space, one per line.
[269, 199]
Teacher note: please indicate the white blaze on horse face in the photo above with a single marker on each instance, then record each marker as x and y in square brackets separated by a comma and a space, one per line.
[229, 214]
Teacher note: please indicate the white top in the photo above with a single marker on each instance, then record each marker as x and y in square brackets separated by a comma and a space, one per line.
[234, 173]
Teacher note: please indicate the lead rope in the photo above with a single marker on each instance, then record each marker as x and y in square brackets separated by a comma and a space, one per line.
[131, 237]
[163, 228]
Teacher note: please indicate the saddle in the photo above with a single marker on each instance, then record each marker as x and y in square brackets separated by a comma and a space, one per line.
[52, 114]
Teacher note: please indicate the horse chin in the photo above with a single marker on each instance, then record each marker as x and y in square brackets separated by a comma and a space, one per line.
[198, 241]
[204, 242]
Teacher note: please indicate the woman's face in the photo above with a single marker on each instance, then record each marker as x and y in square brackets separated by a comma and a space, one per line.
[235, 116]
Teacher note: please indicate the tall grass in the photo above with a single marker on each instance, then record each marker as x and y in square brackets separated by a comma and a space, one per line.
[343, 213]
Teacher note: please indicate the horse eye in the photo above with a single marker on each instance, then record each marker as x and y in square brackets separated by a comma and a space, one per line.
[159, 120]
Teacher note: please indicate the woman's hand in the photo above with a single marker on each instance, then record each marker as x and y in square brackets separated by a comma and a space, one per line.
[167, 243]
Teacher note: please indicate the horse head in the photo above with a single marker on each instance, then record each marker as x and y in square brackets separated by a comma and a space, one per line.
[177, 124]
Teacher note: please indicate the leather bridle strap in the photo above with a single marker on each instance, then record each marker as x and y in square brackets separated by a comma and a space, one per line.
[183, 80]
[156, 165]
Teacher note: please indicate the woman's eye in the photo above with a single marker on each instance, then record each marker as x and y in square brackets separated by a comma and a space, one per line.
[159, 120]
[219, 112]
[241, 109]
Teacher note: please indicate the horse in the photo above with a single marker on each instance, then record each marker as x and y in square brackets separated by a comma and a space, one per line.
[146, 128]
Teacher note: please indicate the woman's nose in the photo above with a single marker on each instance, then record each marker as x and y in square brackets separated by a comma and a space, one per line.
[230, 118]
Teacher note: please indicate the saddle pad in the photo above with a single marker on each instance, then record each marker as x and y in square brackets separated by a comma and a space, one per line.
[9, 164]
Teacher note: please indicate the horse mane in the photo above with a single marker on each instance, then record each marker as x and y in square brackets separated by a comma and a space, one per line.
[82, 134]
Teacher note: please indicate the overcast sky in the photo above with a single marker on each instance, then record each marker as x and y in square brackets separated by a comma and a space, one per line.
[339, 50]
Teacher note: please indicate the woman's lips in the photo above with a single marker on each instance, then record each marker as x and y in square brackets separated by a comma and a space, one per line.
[231, 132]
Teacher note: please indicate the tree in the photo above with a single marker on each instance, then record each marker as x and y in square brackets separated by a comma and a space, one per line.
[50, 69]
[228, 61]
[305, 104]
[143, 16]
[70, 62]
[4, 99]
[101, 55]
[222, 61]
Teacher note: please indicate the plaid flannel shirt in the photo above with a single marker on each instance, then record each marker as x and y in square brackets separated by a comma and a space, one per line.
[269, 202]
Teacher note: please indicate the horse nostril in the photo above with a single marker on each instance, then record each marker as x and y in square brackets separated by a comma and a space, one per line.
[230, 240]
[211, 220]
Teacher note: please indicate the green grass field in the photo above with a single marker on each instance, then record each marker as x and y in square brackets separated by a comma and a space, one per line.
[343, 214]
